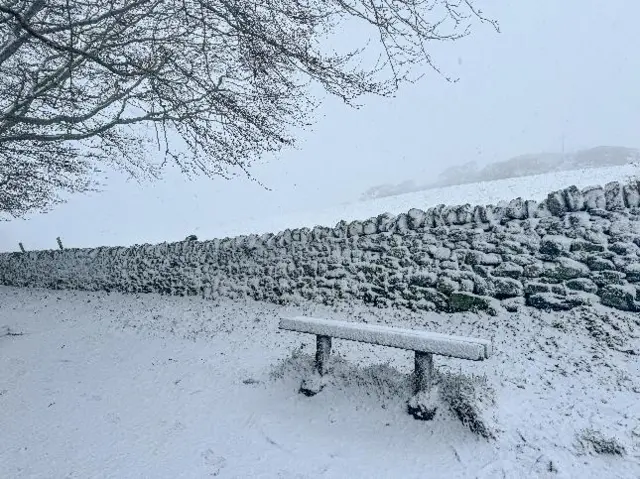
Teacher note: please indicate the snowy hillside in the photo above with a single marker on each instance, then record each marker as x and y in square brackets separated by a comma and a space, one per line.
[491, 192]
[124, 230]
[519, 166]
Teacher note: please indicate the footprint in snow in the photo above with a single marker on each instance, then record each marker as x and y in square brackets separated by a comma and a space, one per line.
[213, 462]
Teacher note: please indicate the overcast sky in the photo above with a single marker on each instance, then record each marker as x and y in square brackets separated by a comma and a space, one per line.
[559, 69]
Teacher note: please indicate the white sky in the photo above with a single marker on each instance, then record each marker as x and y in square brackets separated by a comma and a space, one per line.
[559, 68]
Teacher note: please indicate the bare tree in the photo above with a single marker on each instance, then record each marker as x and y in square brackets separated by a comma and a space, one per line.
[90, 82]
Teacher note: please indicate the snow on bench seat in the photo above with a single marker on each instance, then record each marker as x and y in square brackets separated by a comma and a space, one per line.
[409, 339]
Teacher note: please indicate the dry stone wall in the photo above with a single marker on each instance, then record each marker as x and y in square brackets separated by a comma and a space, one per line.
[578, 247]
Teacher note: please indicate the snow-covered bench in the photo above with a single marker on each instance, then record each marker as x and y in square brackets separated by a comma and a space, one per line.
[424, 343]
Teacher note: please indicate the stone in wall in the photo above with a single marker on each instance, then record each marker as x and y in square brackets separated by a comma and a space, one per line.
[436, 214]
[479, 215]
[574, 199]
[556, 203]
[594, 198]
[543, 210]
[449, 216]
[416, 218]
[370, 227]
[401, 224]
[517, 209]
[464, 214]
[632, 272]
[567, 268]
[506, 287]
[355, 229]
[614, 199]
[531, 207]
[582, 284]
[620, 296]
[460, 301]
[553, 302]
[555, 245]
[509, 269]
[340, 229]
[631, 193]
[385, 222]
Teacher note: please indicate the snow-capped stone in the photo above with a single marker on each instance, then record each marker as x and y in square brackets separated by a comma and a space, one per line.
[447, 285]
[554, 245]
[574, 199]
[508, 269]
[385, 222]
[633, 272]
[631, 192]
[582, 284]
[401, 224]
[416, 218]
[604, 278]
[531, 206]
[567, 268]
[507, 287]
[355, 229]
[613, 196]
[584, 245]
[533, 270]
[340, 229]
[436, 212]
[597, 263]
[369, 227]
[423, 278]
[478, 214]
[620, 296]
[460, 301]
[517, 209]
[439, 252]
[552, 302]
[556, 203]
[594, 198]
[533, 287]
[464, 214]
[542, 211]
[624, 249]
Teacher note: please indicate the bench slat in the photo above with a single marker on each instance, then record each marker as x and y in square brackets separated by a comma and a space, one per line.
[410, 339]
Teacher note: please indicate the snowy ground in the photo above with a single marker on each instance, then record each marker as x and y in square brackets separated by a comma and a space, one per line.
[535, 187]
[108, 385]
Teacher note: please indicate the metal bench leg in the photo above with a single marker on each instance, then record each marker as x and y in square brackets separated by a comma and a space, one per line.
[323, 349]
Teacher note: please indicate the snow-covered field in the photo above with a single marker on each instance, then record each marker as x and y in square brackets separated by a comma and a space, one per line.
[535, 187]
[198, 217]
[97, 385]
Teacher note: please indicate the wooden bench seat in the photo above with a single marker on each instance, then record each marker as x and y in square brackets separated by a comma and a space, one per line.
[410, 339]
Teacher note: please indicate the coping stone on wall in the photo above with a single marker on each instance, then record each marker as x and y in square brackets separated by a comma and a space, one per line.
[594, 197]
[614, 200]
[631, 193]
[416, 218]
